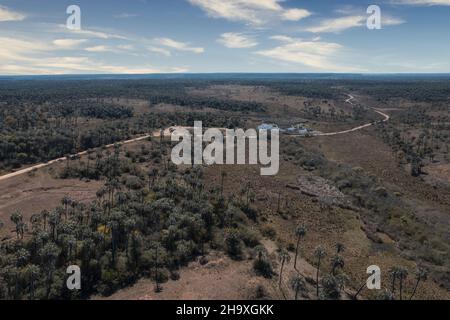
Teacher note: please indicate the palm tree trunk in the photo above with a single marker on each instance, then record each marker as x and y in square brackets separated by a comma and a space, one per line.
[415, 289]
[355, 297]
[296, 253]
[401, 288]
[317, 279]
[278, 203]
[393, 285]
[281, 272]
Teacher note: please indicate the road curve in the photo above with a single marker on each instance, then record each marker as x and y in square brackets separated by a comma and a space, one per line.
[349, 100]
[167, 132]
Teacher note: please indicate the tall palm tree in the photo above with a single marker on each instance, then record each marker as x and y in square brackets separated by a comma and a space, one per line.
[402, 275]
[421, 275]
[300, 232]
[49, 255]
[66, 202]
[319, 253]
[298, 284]
[361, 288]
[339, 248]
[158, 287]
[223, 174]
[45, 214]
[337, 262]
[32, 272]
[393, 273]
[260, 252]
[283, 257]
[17, 219]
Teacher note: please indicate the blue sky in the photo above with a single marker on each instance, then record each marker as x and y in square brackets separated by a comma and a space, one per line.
[170, 36]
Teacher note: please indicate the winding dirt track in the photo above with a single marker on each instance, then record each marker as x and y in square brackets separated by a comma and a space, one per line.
[349, 100]
[167, 132]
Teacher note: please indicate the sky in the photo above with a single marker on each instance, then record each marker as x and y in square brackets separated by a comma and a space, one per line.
[209, 36]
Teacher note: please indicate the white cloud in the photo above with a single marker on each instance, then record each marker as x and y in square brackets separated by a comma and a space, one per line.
[314, 54]
[338, 24]
[31, 56]
[254, 12]
[282, 38]
[10, 15]
[14, 49]
[98, 34]
[423, 2]
[158, 50]
[180, 46]
[71, 65]
[68, 43]
[84, 64]
[99, 49]
[90, 33]
[236, 40]
[343, 23]
[295, 14]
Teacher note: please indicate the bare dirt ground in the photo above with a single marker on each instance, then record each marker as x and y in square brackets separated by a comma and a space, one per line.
[33, 193]
[439, 171]
[220, 279]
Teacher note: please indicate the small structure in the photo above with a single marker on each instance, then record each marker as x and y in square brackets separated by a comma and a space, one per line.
[298, 130]
[268, 126]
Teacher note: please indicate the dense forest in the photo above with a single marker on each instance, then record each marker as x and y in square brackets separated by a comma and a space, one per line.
[152, 220]
[152, 223]
[40, 121]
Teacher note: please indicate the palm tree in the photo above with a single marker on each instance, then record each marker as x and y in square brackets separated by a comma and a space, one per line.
[49, 255]
[361, 288]
[394, 274]
[402, 274]
[260, 252]
[300, 232]
[223, 174]
[319, 253]
[337, 262]
[158, 287]
[339, 248]
[66, 202]
[421, 275]
[17, 219]
[32, 272]
[283, 257]
[298, 285]
[45, 214]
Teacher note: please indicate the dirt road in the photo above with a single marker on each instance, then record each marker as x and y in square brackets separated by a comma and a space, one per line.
[349, 100]
[167, 132]
[46, 164]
